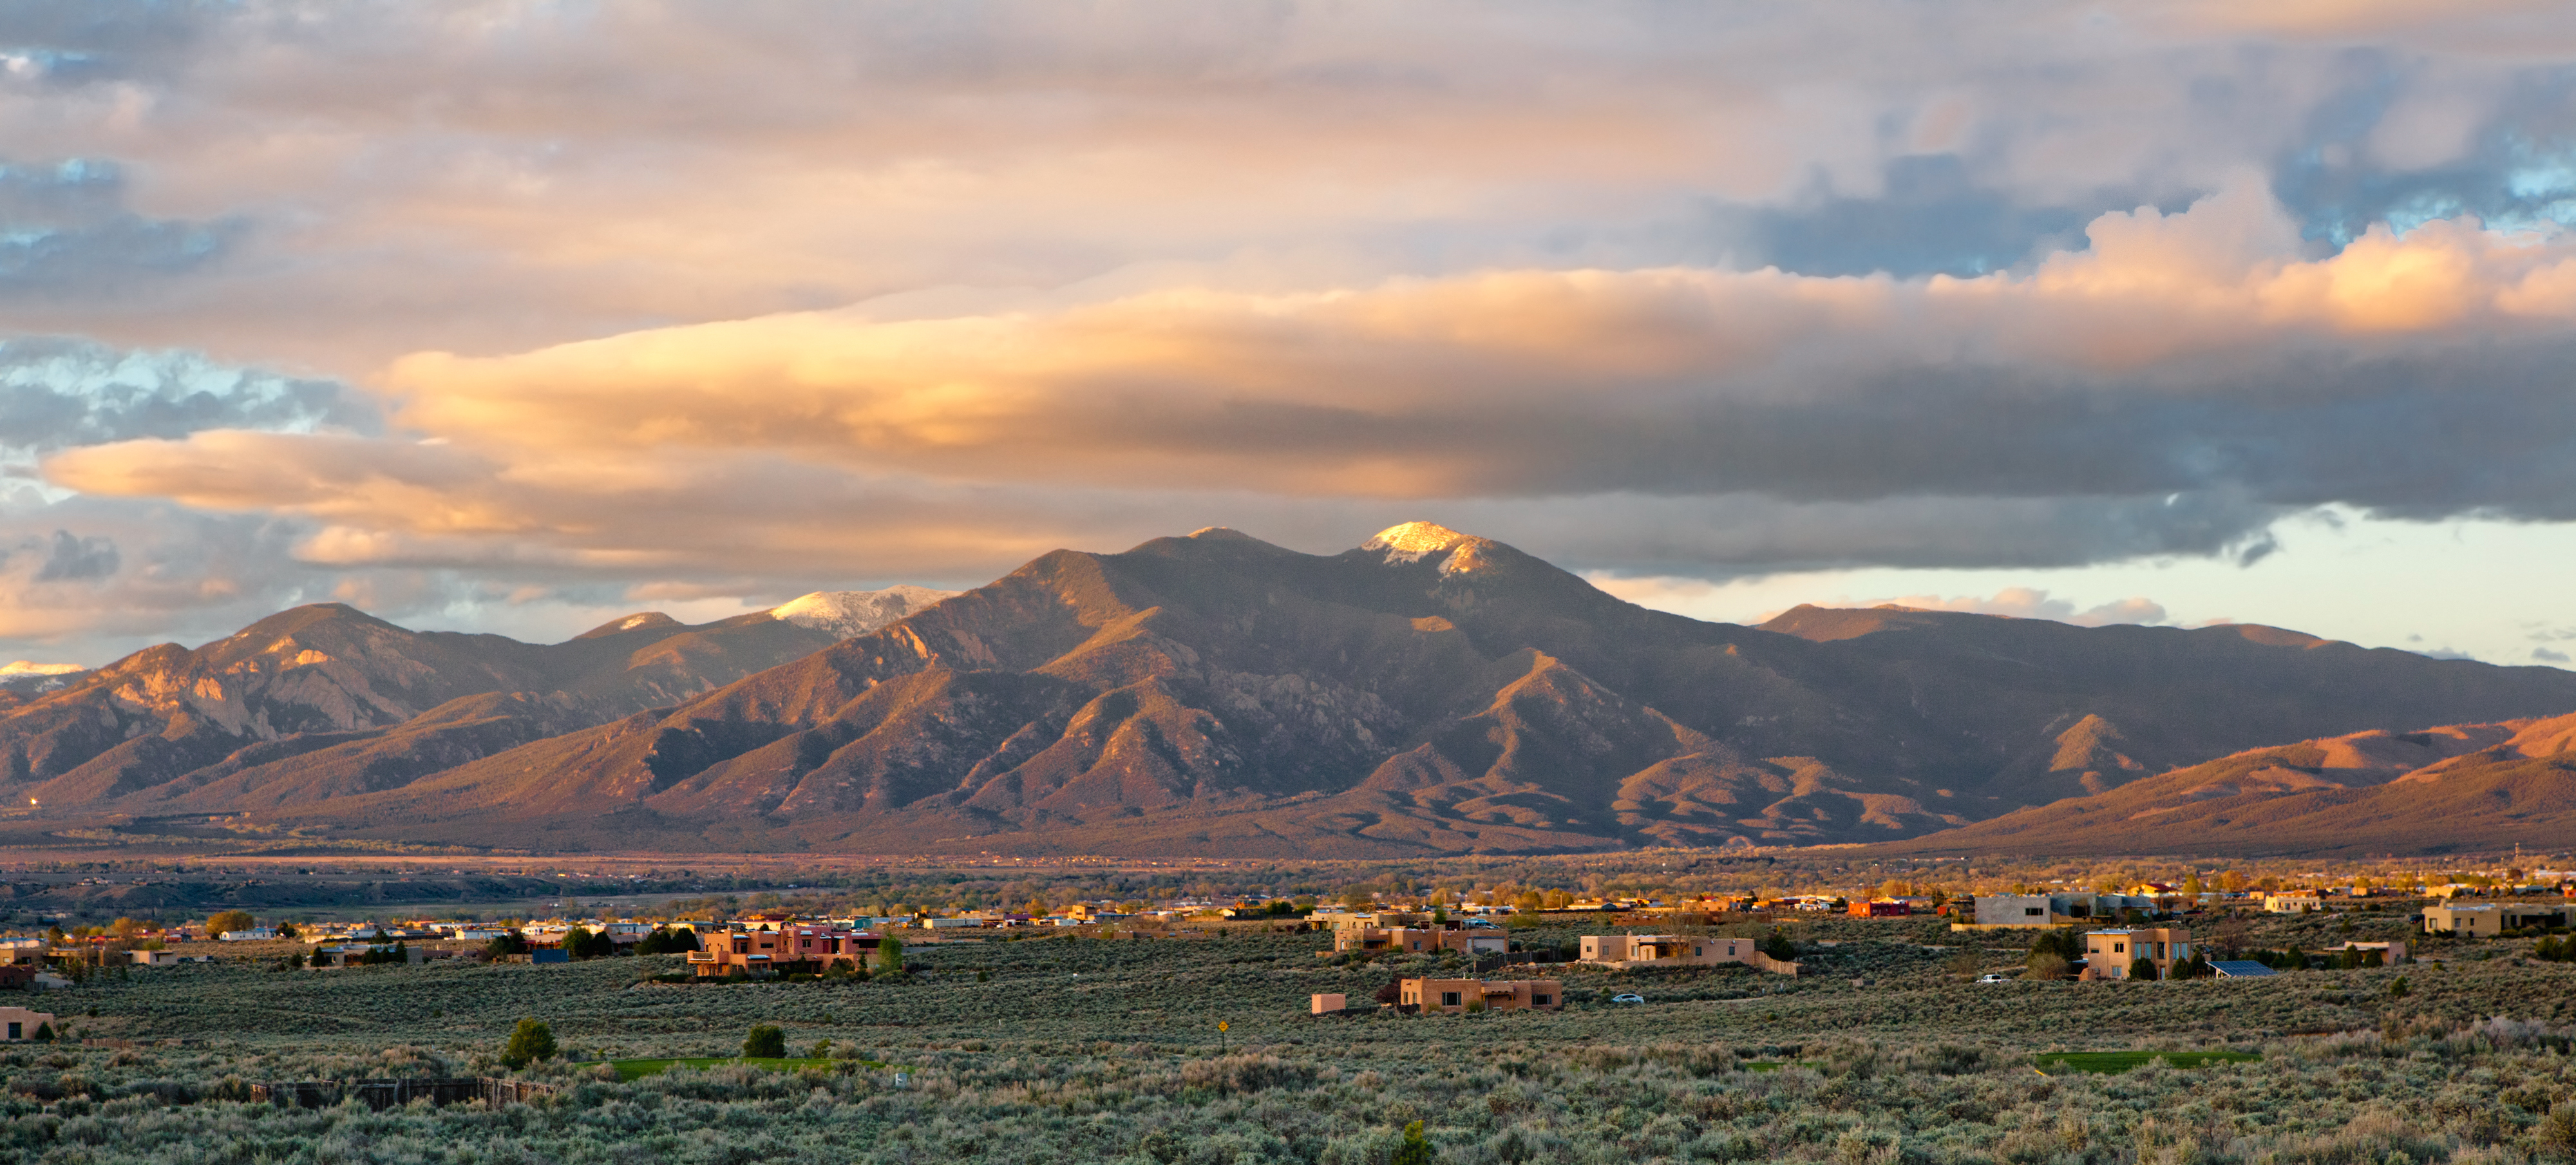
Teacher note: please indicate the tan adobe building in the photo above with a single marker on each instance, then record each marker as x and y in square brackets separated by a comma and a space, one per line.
[18, 1023]
[2487, 919]
[1419, 939]
[2109, 954]
[1671, 950]
[1382, 919]
[2387, 954]
[778, 948]
[1455, 996]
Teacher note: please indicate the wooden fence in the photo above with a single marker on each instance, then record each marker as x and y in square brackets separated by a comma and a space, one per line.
[383, 1094]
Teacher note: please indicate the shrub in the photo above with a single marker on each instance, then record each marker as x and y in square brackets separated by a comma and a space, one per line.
[1413, 1149]
[530, 1042]
[228, 921]
[890, 955]
[766, 1042]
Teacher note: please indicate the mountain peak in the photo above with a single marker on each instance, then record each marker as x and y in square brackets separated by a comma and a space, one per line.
[635, 622]
[1412, 542]
[849, 613]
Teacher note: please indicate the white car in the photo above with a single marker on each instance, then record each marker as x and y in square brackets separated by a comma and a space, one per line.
[1995, 979]
[1630, 998]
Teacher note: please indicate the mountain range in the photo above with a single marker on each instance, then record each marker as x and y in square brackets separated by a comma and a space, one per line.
[323, 701]
[1428, 691]
[2462, 786]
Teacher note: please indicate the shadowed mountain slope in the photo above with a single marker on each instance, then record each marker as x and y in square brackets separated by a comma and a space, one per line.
[1427, 691]
[2461, 787]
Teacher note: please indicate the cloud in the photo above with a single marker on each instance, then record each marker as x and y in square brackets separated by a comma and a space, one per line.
[2028, 603]
[678, 300]
[2545, 655]
[68, 558]
[57, 392]
[65, 231]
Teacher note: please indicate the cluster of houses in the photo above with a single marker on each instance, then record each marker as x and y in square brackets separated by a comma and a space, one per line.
[1615, 952]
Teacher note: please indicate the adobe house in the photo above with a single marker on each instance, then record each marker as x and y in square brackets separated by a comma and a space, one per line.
[18, 1023]
[1457, 996]
[1420, 940]
[781, 948]
[2109, 954]
[2387, 954]
[1672, 950]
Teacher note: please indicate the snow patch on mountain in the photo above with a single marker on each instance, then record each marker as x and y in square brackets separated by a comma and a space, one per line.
[24, 668]
[849, 613]
[1412, 542]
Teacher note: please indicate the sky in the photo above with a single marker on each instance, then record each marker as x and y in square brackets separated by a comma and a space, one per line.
[521, 316]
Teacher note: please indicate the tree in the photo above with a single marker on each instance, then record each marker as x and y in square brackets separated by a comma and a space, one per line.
[508, 942]
[2142, 969]
[44, 1033]
[531, 1041]
[228, 922]
[822, 1050]
[766, 1042]
[666, 941]
[1413, 1149]
[1778, 945]
[581, 943]
[889, 955]
[286, 930]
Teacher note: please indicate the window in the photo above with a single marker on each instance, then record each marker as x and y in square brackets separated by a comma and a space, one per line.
[2031, 911]
[1448, 999]
[2119, 948]
[1540, 1000]
[17, 1031]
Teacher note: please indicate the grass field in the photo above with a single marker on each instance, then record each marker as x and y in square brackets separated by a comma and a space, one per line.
[2110, 1063]
[1061, 1048]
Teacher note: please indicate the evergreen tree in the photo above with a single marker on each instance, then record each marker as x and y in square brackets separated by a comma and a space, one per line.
[766, 1042]
[529, 1042]
[889, 955]
[1413, 1150]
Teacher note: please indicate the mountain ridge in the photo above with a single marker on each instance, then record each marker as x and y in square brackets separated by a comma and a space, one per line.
[1427, 691]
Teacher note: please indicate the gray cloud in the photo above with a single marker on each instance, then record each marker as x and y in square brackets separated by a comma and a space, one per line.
[64, 230]
[71, 559]
[57, 392]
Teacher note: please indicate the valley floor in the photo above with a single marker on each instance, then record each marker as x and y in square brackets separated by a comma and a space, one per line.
[1080, 1049]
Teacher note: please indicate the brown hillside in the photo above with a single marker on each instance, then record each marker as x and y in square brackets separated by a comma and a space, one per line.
[1429, 691]
[2472, 786]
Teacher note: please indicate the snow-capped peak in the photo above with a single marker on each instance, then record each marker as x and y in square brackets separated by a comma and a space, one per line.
[25, 668]
[1412, 542]
[849, 613]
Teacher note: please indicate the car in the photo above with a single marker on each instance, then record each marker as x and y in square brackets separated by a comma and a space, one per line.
[1483, 924]
[1630, 998]
[1995, 979]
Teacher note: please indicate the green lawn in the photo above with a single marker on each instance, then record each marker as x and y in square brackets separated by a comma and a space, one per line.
[2113, 1062]
[637, 1069]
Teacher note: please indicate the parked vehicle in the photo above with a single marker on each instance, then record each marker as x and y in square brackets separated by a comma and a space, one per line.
[1630, 998]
